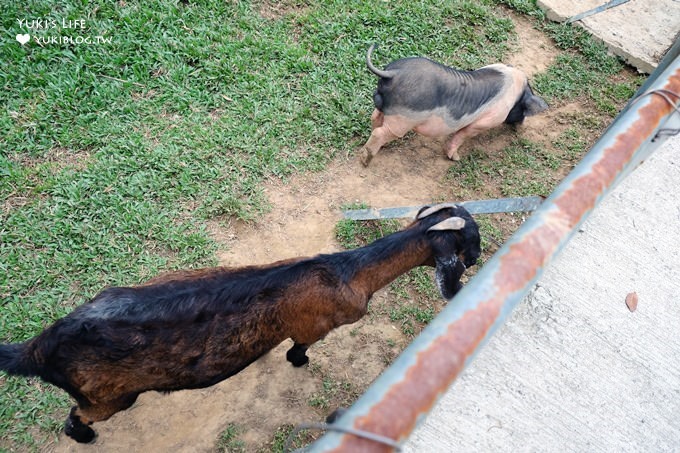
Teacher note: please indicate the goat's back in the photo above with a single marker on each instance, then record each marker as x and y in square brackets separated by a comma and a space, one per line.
[174, 333]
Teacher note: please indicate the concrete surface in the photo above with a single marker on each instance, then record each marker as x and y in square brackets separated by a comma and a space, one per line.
[574, 369]
[639, 31]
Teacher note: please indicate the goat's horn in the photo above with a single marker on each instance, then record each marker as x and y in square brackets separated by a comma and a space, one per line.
[432, 209]
[452, 223]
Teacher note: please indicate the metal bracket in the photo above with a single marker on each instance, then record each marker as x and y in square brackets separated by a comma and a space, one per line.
[524, 204]
[599, 9]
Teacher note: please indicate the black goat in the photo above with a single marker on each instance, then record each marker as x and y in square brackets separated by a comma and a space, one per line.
[192, 329]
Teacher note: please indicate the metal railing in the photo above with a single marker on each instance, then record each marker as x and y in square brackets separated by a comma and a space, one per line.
[409, 388]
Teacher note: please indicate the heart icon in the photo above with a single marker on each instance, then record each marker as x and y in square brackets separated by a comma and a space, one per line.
[23, 39]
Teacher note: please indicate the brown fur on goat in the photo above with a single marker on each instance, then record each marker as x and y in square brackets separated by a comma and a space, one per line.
[192, 329]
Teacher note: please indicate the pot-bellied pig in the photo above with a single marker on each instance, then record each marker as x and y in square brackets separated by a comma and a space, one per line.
[435, 100]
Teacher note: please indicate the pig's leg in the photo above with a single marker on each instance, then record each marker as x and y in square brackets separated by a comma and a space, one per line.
[379, 137]
[485, 122]
[392, 127]
[377, 119]
[458, 138]
[454, 143]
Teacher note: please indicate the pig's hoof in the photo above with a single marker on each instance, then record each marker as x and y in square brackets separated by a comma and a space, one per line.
[454, 156]
[365, 156]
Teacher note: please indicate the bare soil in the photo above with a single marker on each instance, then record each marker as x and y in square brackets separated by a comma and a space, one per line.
[272, 395]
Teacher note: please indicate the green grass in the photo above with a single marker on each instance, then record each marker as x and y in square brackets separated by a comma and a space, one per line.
[333, 393]
[352, 234]
[229, 442]
[491, 236]
[408, 316]
[571, 143]
[114, 155]
[586, 69]
[415, 298]
[527, 7]
[280, 440]
[280, 437]
[523, 168]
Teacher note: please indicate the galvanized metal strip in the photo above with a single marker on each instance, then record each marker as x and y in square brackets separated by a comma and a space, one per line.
[409, 388]
[521, 204]
[596, 10]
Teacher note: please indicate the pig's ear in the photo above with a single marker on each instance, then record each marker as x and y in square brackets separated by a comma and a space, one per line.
[534, 105]
[452, 223]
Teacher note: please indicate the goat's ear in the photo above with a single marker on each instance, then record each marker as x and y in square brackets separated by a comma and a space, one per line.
[452, 223]
[432, 209]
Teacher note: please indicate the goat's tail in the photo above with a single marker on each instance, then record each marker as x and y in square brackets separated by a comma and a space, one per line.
[373, 69]
[14, 359]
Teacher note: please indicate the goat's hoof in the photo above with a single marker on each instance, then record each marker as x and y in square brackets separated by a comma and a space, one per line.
[296, 358]
[299, 361]
[365, 156]
[79, 432]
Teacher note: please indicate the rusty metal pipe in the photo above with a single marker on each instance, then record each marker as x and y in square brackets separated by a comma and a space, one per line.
[409, 388]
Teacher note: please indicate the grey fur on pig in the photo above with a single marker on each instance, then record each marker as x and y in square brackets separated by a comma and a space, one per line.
[435, 100]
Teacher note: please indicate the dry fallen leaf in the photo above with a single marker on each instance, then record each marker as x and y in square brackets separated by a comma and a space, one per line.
[632, 301]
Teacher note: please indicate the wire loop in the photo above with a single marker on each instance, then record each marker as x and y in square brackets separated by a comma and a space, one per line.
[332, 427]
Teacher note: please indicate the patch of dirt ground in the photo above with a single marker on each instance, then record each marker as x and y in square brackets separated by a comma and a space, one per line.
[271, 394]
